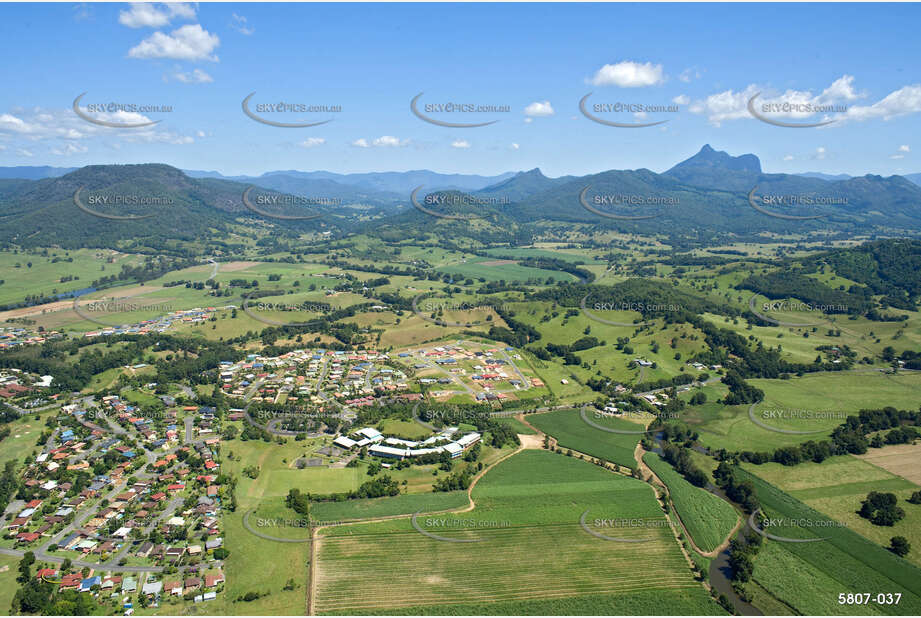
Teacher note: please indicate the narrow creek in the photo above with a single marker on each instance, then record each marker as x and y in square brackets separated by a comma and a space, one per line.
[720, 572]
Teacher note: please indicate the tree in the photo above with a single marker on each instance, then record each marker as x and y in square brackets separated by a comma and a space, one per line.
[899, 546]
[25, 567]
[881, 509]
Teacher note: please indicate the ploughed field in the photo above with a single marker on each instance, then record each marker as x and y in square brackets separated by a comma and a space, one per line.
[525, 551]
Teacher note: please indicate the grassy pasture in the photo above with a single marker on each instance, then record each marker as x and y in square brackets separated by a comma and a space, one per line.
[837, 486]
[808, 576]
[840, 394]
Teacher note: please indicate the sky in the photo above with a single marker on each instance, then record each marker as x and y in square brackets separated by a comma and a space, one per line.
[531, 64]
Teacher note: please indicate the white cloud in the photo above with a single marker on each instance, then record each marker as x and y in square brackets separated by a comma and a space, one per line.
[24, 153]
[387, 141]
[842, 89]
[727, 105]
[689, 74]
[681, 99]
[69, 149]
[514, 146]
[788, 157]
[539, 109]
[460, 143]
[820, 153]
[310, 142]
[82, 11]
[239, 24]
[732, 104]
[190, 42]
[14, 124]
[200, 134]
[197, 76]
[905, 100]
[904, 148]
[529, 120]
[629, 74]
[185, 10]
[67, 133]
[152, 15]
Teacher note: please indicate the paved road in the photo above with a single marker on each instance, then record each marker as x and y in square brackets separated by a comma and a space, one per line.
[22, 411]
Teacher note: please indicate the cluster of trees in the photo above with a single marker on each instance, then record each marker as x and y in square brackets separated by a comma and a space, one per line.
[297, 501]
[740, 492]
[742, 560]
[887, 267]
[680, 459]
[9, 484]
[740, 391]
[518, 334]
[453, 482]
[38, 597]
[789, 283]
[850, 437]
[882, 509]
[375, 488]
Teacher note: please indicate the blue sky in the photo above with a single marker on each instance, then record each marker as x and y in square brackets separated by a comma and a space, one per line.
[539, 60]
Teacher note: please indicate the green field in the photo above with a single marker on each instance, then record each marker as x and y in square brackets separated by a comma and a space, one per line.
[531, 252]
[483, 268]
[24, 434]
[808, 576]
[837, 486]
[382, 507]
[572, 432]
[708, 519]
[532, 556]
[840, 393]
[515, 424]
[8, 585]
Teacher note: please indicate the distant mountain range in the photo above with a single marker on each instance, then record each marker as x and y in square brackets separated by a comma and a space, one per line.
[711, 195]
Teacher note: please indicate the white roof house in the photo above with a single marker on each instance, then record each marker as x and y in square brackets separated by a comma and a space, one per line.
[152, 588]
[469, 439]
[454, 449]
[388, 451]
[344, 442]
[400, 442]
[370, 433]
